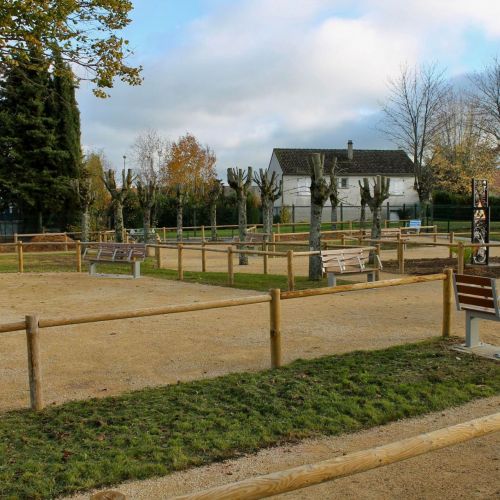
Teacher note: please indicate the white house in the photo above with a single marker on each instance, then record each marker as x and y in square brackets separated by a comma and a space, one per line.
[352, 166]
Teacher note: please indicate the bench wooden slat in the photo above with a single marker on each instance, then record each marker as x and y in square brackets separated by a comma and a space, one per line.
[474, 290]
[473, 280]
[487, 303]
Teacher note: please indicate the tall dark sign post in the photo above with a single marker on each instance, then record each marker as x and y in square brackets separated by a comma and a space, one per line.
[480, 221]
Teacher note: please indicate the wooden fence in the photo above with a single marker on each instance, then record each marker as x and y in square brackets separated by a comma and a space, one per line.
[33, 323]
[347, 465]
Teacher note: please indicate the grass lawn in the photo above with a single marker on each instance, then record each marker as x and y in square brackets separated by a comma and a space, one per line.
[99, 442]
[66, 262]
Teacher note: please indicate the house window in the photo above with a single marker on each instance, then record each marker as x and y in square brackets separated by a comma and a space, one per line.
[397, 187]
[343, 183]
[303, 187]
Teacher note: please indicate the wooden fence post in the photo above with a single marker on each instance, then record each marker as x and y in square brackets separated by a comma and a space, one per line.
[265, 257]
[65, 242]
[34, 366]
[180, 269]
[15, 238]
[203, 256]
[202, 233]
[78, 247]
[401, 255]
[275, 327]
[164, 234]
[435, 233]
[291, 274]
[273, 239]
[342, 239]
[460, 258]
[230, 266]
[452, 240]
[447, 301]
[20, 256]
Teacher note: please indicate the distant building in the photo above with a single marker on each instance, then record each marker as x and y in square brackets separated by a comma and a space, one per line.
[353, 166]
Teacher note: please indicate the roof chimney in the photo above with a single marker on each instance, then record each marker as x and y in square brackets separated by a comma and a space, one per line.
[349, 150]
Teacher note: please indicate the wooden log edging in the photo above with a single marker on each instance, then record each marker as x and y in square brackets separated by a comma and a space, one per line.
[311, 292]
[353, 463]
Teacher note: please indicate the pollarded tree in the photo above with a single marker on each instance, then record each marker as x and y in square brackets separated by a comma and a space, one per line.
[270, 191]
[380, 194]
[364, 193]
[180, 198]
[213, 193]
[85, 195]
[147, 192]
[118, 196]
[241, 182]
[321, 190]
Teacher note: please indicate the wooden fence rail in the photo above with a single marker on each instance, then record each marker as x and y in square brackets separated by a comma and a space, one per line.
[33, 323]
[347, 465]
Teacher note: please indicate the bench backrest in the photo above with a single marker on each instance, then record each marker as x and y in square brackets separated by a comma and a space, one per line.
[476, 293]
[345, 259]
[126, 252]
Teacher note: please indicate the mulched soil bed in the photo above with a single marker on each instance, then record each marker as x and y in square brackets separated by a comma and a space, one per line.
[431, 266]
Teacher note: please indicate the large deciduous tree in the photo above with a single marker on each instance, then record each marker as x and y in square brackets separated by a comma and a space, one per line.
[241, 181]
[84, 33]
[85, 196]
[188, 172]
[149, 152]
[321, 190]
[486, 99]
[270, 190]
[412, 119]
[462, 150]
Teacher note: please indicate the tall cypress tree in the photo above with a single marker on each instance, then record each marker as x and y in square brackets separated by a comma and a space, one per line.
[66, 117]
[31, 155]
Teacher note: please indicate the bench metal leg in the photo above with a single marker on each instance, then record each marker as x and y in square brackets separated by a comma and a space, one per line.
[92, 269]
[136, 269]
[471, 330]
[332, 279]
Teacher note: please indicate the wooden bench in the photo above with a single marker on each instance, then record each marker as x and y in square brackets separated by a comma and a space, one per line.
[349, 261]
[118, 253]
[477, 296]
[414, 226]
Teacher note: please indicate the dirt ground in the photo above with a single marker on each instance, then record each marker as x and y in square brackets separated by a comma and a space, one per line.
[100, 359]
[465, 471]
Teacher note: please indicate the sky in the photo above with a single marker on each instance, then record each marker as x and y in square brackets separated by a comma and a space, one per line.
[246, 76]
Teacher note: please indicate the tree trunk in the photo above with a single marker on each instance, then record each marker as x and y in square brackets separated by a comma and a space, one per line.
[334, 218]
[362, 217]
[242, 225]
[266, 216]
[213, 220]
[39, 222]
[179, 220]
[146, 223]
[118, 210]
[376, 224]
[315, 271]
[85, 225]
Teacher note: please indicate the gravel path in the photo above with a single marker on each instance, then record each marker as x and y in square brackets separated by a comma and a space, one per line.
[466, 471]
[100, 359]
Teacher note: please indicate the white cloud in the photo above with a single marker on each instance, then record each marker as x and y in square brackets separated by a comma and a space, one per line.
[265, 73]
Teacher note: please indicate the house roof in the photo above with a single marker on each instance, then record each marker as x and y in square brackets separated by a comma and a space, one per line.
[364, 162]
